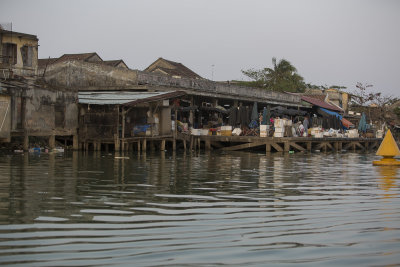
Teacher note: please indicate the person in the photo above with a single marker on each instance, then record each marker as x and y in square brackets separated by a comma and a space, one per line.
[305, 125]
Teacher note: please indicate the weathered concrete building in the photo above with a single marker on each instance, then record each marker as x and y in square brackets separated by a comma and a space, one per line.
[93, 80]
[29, 106]
[19, 52]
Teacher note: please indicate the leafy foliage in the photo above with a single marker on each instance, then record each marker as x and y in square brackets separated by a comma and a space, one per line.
[281, 77]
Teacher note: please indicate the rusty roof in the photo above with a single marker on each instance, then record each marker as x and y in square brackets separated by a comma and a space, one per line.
[320, 103]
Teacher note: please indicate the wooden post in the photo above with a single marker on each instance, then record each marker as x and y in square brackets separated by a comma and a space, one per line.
[162, 147]
[199, 143]
[26, 142]
[116, 142]
[152, 146]
[191, 121]
[138, 146]
[286, 146]
[116, 135]
[52, 141]
[144, 145]
[309, 144]
[75, 142]
[207, 145]
[336, 146]
[184, 144]
[123, 130]
[268, 147]
[191, 143]
[175, 130]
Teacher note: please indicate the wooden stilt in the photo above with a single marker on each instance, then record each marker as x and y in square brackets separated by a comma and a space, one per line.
[162, 147]
[268, 147]
[75, 142]
[26, 142]
[52, 141]
[207, 145]
[144, 145]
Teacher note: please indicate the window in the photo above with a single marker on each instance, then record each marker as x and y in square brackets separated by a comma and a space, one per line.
[10, 53]
[27, 54]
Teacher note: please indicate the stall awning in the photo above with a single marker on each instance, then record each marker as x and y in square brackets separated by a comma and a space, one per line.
[346, 124]
[320, 103]
[124, 97]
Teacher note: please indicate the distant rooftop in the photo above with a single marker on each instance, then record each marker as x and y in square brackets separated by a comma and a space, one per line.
[172, 68]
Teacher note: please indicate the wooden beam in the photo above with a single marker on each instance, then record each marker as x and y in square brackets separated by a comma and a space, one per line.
[298, 147]
[347, 146]
[359, 145]
[243, 146]
[328, 145]
[216, 144]
[277, 147]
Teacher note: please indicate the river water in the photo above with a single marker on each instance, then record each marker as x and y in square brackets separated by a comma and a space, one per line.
[204, 209]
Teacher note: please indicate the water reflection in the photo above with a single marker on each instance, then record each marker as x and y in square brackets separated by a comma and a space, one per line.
[198, 208]
[387, 180]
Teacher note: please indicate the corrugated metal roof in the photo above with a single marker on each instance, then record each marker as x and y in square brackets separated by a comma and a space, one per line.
[167, 95]
[117, 97]
[320, 103]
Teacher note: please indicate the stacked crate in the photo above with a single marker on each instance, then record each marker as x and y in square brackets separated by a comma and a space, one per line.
[279, 125]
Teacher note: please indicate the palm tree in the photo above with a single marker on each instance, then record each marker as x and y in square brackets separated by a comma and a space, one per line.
[281, 77]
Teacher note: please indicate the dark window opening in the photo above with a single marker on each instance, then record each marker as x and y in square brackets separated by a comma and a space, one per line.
[27, 55]
[10, 53]
[20, 112]
[59, 116]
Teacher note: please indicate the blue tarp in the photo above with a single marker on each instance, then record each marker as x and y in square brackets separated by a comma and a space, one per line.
[332, 113]
[340, 117]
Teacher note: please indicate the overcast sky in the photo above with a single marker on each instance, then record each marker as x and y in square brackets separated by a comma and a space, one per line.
[337, 42]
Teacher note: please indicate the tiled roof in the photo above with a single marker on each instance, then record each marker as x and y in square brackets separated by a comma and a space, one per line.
[83, 56]
[320, 103]
[43, 62]
[114, 63]
[177, 69]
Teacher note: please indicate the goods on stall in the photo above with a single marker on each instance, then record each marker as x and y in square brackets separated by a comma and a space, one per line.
[379, 133]
[279, 123]
[226, 130]
[315, 130]
[141, 130]
[278, 134]
[195, 131]
[264, 130]
[353, 133]
[236, 131]
[204, 132]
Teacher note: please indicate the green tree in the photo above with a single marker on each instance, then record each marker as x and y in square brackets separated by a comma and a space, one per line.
[282, 76]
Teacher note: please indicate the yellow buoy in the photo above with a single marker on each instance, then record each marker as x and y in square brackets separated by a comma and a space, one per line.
[388, 150]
